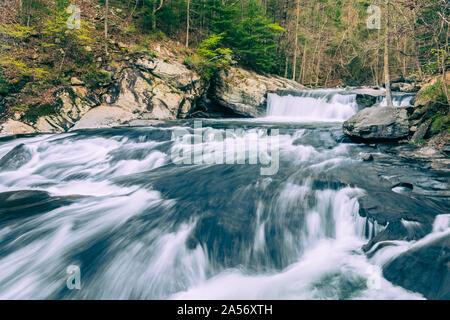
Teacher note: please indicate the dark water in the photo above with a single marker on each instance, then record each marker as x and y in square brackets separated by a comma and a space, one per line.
[113, 203]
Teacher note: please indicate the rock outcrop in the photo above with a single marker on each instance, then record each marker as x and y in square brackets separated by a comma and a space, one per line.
[155, 89]
[244, 93]
[378, 123]
[74, 103]
[424, 269]
[13, 127]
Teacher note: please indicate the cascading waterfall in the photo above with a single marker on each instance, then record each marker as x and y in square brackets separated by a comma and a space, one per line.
[141, 227]
[398, 100]
[312, 105]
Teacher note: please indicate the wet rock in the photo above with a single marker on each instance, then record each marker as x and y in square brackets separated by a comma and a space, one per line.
[403, 187]
[424, 269]
[421, 132]
[378, 123]
[365, 100]
[26, 203]
[388, 206]
[366, 157]
[16, 158]
[398, 230]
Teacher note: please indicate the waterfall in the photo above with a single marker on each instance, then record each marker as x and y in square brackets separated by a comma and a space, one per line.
[399, 100]
[312, 105]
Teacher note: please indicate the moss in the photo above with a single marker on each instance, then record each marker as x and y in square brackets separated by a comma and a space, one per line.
[420, 142]
[95, 77]
[434, 92]
[33, 113]
[439, 123]
[20, 108]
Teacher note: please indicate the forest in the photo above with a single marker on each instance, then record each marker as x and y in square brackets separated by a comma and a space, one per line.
[321, 43]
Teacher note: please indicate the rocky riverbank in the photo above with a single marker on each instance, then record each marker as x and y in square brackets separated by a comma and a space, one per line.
[146, 87]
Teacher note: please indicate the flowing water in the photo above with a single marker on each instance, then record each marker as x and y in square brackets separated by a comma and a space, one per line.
[139, 226]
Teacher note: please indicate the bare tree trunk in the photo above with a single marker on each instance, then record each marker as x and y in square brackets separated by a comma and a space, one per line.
[154, 11]
[303, 71]
[387, 78]
[188, 22]
[377, 67]
[294, 67]
[444, 67]
[29, 13]
[106, 26]
[286, 67]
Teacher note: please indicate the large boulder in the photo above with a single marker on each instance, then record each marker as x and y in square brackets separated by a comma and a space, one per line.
[15, 158]
[244, 93]
[74, 103]
[104, 117]
[12, 128]
[424, 269]
[378, 123]
[155, 89]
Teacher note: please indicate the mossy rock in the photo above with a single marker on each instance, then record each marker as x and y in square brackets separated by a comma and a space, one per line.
[33, 113]
[439, 123]
[432, 92]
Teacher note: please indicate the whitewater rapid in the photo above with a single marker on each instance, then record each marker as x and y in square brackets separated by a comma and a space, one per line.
[113, 203]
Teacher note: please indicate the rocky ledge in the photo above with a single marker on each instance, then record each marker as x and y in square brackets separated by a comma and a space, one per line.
[378, 123]
[148, 88]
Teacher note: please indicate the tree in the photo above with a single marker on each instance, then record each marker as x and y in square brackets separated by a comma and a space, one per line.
[387, 78]
[154, 11]
[188, 22]
[106, 26]
[294, 68]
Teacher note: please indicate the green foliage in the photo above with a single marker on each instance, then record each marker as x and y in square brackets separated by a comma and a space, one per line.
[211, 57]
[4, 86]
[434, 92]
[33, 113]
[96, 77]
[16, 31]
[439, 122]
[250, 34]
[22, 68]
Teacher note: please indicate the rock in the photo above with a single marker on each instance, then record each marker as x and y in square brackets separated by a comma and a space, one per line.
[388, 206]
[398, 230]
[73, 105]
[378, 123]
[409, 87]
[156, 89]
[76, 82]
[104, 117]
[244, 93]
[13, 127]
[424, 269]
[365, 100]
[26, 203]
[15, 158]
[366, 157]
[396, 87]
[421, 132]
[172, 72]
